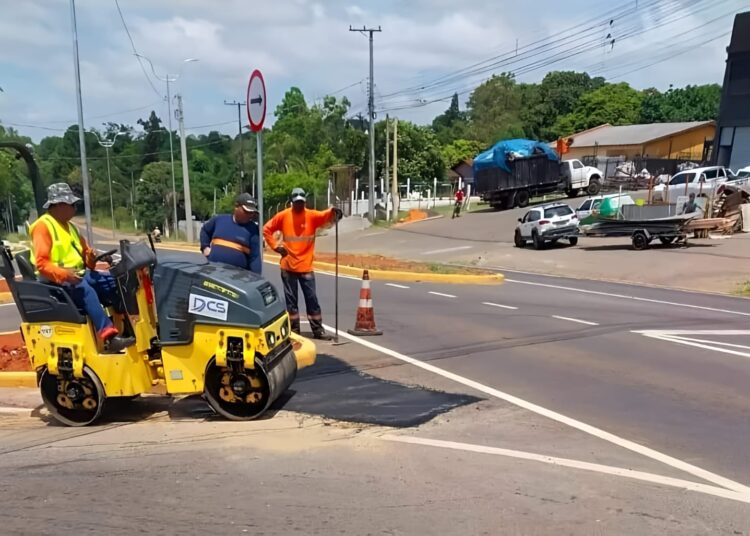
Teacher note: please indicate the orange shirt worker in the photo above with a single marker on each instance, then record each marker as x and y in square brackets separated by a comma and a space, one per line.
[298, 226]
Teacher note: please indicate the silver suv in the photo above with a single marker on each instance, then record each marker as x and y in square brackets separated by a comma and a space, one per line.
[548, 223]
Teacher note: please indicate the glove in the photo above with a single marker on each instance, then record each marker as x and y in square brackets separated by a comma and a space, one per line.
[281, 250]
[338, 213]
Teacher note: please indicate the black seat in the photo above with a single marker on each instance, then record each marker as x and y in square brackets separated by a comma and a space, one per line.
[25, 267]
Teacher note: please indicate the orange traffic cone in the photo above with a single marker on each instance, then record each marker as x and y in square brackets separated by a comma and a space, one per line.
[365, 324]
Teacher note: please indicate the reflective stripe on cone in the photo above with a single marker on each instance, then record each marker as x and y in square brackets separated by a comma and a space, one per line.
[365, 324]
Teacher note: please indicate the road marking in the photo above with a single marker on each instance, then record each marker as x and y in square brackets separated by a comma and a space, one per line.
[12, 409]
[575, 320]
[7, 304]
[626, 297]
[446, 250]
[555, 416]
[333, 274]
[500, 306]
[576, 464]
[373, 234]
[715, 346]
[441, 294]
[395, 285]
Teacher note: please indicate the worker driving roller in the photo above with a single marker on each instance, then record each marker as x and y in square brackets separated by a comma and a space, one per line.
[62, 256]
[298, 226]
[234, 238]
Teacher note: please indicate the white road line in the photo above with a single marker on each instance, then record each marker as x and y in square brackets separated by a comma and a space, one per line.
[671, 332]
[690, 342]
[441, 294]
[559, 417]
[576, 320]
[500, 306]
[626, 297]
[446, 250]
[576, 464]
[7, 304]
[11, 409]
[373, 234]
[395, 285]
[333, 274]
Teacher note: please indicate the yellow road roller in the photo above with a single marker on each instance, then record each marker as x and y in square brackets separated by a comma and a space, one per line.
[199, 328]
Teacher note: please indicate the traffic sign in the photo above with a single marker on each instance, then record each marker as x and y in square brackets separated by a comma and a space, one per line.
[256, 101]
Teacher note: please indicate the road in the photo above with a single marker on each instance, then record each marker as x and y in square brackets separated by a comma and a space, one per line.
[657, 374]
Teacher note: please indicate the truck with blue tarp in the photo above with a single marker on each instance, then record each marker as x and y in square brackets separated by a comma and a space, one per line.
[511, 172]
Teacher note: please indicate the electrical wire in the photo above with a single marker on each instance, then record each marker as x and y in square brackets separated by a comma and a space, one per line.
[135, 51]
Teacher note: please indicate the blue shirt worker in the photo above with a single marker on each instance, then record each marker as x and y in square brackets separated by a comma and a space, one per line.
[234, 238]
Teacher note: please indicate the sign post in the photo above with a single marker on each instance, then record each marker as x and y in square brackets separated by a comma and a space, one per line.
[256, 115]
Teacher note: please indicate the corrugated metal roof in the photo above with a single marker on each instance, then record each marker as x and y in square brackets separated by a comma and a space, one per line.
[632, 134]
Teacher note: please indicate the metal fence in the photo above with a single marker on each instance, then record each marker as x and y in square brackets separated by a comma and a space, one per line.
[635, 173]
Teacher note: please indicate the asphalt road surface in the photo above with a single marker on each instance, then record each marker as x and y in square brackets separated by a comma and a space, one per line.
[660, 374]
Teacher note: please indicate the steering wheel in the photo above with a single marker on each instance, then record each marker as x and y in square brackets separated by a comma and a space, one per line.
[102, 256]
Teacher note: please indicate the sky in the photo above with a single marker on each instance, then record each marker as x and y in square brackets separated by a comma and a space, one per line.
[424, 53]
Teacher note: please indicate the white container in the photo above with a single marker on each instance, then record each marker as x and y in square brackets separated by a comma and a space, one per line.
[745, 217]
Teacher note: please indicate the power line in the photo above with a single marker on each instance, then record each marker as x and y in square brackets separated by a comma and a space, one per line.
[132, 45]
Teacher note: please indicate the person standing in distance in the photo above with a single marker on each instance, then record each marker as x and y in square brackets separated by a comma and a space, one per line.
[234, 238]
[298, 226]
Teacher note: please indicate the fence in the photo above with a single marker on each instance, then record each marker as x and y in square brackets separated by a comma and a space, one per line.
[630, 174]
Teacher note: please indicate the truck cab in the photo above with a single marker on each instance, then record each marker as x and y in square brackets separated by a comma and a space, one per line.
[580, 177]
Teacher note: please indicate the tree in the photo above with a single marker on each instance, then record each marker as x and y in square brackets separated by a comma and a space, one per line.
[154, 195]
[154, 139]
[616, 104]
[419, 153]
[460, 150]
[452, 124]
[494, 109]
[691, 103]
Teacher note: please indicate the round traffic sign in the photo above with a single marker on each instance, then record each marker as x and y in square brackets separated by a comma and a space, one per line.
[256, 101]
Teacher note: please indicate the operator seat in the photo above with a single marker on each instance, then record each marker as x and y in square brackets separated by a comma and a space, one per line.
[25, 267]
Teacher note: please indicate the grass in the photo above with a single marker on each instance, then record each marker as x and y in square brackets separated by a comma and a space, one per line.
[743, 289]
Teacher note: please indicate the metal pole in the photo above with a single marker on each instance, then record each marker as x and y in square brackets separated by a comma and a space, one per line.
[259, 138]
[242, 153]
[185, 173]
[171, 158]
[394, 183]
[81, 140]
[371, 206]
[111, 201]
[10, 213]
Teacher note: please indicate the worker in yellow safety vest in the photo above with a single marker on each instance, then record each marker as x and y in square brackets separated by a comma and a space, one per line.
[61, 256]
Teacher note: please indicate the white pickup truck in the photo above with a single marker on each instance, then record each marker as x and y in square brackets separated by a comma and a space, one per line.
[579, 177]
[699, 181]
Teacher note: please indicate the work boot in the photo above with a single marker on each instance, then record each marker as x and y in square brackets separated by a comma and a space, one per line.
[116, 344]
[322, 335]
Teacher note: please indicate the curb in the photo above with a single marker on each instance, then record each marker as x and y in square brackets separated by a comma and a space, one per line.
[415, 277]
[6, 297]
[18, 379]
[405, 223]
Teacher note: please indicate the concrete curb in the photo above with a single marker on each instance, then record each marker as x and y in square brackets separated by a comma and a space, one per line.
[415, 277]
[6, 297]
[18, 379]
[403, 224]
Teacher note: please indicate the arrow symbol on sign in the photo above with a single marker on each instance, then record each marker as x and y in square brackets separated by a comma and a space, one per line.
[257, 100]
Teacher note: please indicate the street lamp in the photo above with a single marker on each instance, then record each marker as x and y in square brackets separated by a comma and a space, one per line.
[170, 78]
[107, 144]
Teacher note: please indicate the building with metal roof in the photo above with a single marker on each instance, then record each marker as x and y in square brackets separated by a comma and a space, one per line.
[658, 140]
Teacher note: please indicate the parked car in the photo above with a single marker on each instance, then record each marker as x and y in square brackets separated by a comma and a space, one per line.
[699, 181]
[592, 203]
[547, 223]
[743, 173]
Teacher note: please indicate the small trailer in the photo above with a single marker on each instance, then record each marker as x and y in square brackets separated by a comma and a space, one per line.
[641, 231]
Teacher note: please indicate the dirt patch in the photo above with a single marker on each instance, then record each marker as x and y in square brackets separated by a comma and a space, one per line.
[378, 262]
[13, 355]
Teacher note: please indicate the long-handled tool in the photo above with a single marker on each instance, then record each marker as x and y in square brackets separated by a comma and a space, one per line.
[336, 283]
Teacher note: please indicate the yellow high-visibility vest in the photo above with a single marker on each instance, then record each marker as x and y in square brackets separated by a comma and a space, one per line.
[67, 250]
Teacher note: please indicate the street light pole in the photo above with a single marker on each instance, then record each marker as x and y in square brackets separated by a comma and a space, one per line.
[166, 78]
[81, 140]
[108, 144]
[239, 106]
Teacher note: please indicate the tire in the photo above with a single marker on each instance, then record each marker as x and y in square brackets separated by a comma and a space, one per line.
[640, 241]
[594, 186]
[518, 240]
[522, 198]
[537, 240]
[498, 206]
[573, 240]
[572, 193]
[666, 240]
[553, 241]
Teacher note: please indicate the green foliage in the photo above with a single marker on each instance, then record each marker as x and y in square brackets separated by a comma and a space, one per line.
[495, 108]
[691, 103]
[616, 104]
[461, 150]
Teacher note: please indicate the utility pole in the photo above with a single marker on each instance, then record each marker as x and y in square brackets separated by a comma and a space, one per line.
[387, 164]
[185, 175]
[371, 106]
[394, 184]
[81, 131]
[239, 106]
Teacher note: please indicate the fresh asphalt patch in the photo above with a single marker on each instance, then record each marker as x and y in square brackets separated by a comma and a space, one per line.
[336, 390]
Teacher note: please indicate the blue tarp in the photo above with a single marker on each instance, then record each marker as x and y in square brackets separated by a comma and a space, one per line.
[497, 155]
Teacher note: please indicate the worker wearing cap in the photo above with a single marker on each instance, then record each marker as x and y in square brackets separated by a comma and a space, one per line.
[234, 238]
[61, 256]
[298, 226]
